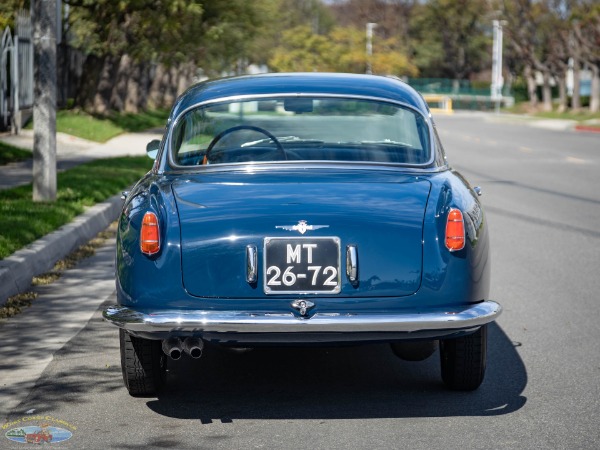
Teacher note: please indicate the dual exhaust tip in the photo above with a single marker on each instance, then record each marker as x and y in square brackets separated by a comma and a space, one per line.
[174, 347]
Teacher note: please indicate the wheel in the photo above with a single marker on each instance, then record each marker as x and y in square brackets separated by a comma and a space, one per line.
[463, 360]
[143, 363]
[224, 133]
[414, 350]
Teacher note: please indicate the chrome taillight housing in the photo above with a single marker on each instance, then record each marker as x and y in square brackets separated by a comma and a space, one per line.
[150, 234]
[455, 230]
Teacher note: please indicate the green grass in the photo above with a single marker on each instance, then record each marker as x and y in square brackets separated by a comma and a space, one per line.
[87, 127]
[581, 117]
[101, 129]
[9, 154]
[22, 221]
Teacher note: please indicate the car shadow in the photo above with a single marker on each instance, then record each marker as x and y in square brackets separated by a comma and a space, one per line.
[335, 383]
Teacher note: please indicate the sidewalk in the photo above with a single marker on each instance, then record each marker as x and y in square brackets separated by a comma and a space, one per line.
[62, 309]
[71, 151]
[522, 119]
[17, 270]
[589, 126]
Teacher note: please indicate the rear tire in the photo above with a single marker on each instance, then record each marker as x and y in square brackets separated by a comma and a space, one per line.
[464, 360]
[143, 363]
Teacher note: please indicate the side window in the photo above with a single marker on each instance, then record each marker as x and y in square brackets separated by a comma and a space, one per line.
[191, 136]
[441, 153]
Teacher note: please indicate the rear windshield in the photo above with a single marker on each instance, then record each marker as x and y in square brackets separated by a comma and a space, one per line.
[301, 129]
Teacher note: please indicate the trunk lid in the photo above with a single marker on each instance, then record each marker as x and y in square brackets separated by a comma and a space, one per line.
[222, 214]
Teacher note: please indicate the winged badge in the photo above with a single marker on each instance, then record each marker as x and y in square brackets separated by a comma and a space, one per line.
[302, 227]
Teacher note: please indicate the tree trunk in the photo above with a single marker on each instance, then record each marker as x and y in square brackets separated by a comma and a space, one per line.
[123, 85]
[531, 87]
[576, 99]
[595, 92]
[97, 84]
[44, 104]
[547, 92]
[120, 84]
[135, 97]
[562, 93]
[88, 82]
[186, 77]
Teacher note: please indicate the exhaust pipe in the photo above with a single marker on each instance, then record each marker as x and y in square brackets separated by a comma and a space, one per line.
[193, 347]
[172, 348]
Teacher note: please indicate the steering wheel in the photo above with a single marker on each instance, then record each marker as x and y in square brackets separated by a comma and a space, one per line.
[224, 133]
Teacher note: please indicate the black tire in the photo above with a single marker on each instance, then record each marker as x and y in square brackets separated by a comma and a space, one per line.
[143, 363]
[414, 350]
[463, 360]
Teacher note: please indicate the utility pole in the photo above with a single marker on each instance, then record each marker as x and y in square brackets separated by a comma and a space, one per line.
[497, 80]
[370, 27]
[44, 104]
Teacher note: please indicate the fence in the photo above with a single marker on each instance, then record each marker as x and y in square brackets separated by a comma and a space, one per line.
[16, 72]
[461, 93]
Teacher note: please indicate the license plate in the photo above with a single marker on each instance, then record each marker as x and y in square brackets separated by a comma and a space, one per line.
[302, 265]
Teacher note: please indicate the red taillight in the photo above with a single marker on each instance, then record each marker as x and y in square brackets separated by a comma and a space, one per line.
[455, 231]
[149, 235]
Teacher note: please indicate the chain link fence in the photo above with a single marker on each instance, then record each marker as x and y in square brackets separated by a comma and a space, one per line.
[462, 93]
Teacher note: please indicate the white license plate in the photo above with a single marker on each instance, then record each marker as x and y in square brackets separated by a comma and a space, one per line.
[302, 265]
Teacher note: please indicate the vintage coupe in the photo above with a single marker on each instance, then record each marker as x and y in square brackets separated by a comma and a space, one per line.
[302, 209]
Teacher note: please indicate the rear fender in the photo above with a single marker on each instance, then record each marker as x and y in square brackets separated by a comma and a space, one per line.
[462, 276]
[142, 279]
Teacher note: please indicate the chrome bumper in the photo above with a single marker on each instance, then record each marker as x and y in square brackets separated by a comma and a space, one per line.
[202, 323]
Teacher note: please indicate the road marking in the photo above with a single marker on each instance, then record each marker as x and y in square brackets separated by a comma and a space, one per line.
[525, 149]
[573, 160]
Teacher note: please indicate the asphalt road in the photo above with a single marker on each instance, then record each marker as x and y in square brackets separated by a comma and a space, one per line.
[542, 388]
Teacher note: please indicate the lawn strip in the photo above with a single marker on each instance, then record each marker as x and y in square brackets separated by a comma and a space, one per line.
[10, 154]
[23, 221]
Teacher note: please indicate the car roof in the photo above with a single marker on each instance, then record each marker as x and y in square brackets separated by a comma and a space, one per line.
[381, 87]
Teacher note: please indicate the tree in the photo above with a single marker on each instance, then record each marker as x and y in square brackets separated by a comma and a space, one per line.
[529, 30]
[129, 43]
[280, 16]
[585, 22]
[341, 50]
[8, 9]
[450, 39]
[391, 16]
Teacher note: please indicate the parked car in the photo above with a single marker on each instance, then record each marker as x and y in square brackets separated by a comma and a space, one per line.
[304, 209]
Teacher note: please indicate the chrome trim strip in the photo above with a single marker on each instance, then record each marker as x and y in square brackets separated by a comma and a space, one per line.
[293, 165]
[251, 264]
[458, 318]
[351, 263]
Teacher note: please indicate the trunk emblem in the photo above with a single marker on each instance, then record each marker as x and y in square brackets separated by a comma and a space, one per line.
[302, 306]
[302, 227]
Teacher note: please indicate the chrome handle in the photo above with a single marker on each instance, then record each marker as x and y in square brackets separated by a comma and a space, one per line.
[251, 264]
[478, 191]
[352, 263]
[124, 195]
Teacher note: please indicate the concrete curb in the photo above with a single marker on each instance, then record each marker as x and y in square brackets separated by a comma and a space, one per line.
[588, 128]
[17, 270]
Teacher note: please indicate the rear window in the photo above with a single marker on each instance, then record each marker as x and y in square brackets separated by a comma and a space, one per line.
[301, 129]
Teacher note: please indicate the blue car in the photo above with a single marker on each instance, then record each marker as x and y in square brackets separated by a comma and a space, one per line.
[302, 209]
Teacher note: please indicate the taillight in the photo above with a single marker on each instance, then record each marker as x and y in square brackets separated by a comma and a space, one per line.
[455, 231]
[149, 235]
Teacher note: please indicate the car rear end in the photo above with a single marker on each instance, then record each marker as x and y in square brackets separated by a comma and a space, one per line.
[302, 218]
